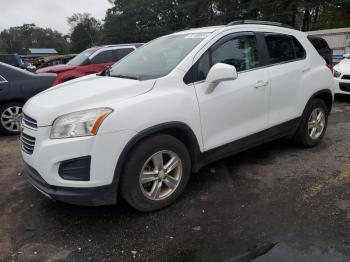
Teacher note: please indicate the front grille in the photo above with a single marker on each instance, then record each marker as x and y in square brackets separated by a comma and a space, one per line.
[346, 77]
[344, 87]
[27, 143]
[29, 122]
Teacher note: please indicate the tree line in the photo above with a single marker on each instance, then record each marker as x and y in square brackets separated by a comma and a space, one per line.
[142, 20]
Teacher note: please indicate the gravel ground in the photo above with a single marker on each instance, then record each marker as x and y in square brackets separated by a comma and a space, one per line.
[277, 202]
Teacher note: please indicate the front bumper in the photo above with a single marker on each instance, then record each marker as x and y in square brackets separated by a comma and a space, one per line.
[95, 196]
[45, 165]
[342, 86]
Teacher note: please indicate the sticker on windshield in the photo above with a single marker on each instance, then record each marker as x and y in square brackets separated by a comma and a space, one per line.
[197, 35]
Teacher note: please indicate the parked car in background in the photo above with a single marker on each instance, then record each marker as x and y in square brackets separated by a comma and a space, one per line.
[180, 102]
[11, 59]
[342, 76]
[91, 61]
[53, 60]
[16, 87]
[323, 49]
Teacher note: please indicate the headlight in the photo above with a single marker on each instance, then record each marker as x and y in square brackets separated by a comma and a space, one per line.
[336, 74]
[77, 124]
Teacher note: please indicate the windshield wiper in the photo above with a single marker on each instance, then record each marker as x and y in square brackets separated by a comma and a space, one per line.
[124, 76]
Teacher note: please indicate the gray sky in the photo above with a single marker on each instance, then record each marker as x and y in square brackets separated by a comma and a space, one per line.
[48, 13]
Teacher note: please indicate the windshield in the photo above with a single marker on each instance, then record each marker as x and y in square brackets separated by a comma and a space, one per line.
[158, 58]
[82, 57]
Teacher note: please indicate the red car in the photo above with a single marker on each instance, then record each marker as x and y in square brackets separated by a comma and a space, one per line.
[91, 61]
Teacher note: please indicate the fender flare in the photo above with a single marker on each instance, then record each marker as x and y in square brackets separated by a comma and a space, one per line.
[166, 128]
[320, 93]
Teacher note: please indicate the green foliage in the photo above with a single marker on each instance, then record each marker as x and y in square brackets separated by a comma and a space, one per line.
[19, 39]
[86, 32]
[143, 20]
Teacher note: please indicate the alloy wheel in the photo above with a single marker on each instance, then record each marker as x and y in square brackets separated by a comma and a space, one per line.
[160, 175]
[11, 119]
[316, 123]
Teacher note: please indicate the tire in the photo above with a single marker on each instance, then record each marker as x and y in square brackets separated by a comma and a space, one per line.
[10, 112]
[143, 196]
[303, 135]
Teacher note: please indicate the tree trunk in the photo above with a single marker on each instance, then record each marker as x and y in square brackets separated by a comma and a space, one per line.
[306, 20]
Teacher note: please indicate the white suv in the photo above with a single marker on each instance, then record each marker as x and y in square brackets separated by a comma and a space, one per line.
[184, 100]
[342, 76]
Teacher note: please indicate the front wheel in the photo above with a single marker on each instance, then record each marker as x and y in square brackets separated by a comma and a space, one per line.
[10, 118]
[313, 124]
[156, 173]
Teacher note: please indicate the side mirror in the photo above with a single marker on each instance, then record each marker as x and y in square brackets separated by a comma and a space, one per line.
[219, 73]
[347, 55]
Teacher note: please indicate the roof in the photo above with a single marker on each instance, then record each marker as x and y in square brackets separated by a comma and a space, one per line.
[259, 22]
[242, 23]
[117, 45]
[42, 51]
[208, 29]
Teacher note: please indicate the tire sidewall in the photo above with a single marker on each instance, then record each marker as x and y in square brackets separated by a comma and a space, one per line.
[130, 188]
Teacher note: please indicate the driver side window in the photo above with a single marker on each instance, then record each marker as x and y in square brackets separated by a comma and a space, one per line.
[241, 52]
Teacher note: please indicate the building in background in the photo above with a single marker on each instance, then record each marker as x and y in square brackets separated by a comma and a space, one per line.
[337, 39]
[39, 52]
[34, 53]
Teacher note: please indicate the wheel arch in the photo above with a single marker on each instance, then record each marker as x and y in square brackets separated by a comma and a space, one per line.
[15, 100]
[325, 95]
[178, 130]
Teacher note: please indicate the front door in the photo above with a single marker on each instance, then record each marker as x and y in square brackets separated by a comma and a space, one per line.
[237, 108]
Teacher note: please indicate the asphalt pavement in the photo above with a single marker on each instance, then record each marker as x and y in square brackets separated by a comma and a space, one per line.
[277, 202]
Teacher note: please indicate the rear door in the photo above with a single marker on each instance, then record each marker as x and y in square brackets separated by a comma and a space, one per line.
[287, 65]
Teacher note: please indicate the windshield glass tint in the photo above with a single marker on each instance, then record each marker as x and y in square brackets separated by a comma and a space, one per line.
[82, 57]
[158, 58]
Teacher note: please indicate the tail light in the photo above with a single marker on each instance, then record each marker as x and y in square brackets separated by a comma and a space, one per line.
[330, 66]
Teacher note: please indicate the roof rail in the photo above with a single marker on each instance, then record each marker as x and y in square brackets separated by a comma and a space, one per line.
[127, 44]
[258, 22]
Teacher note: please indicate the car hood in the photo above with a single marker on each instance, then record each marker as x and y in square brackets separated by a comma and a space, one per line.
[343, 66]
[55, 69]
[85, 93]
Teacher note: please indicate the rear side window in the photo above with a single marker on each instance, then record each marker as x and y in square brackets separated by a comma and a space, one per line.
[280, 48]
[120, 53]
[283, 48]
[299, 49]
[103, 57]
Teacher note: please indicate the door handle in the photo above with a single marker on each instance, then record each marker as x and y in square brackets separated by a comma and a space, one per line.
[261, 83]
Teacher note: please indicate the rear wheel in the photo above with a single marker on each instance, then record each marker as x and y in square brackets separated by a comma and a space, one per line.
[313, 124]
[156, 173]
[10, 118]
